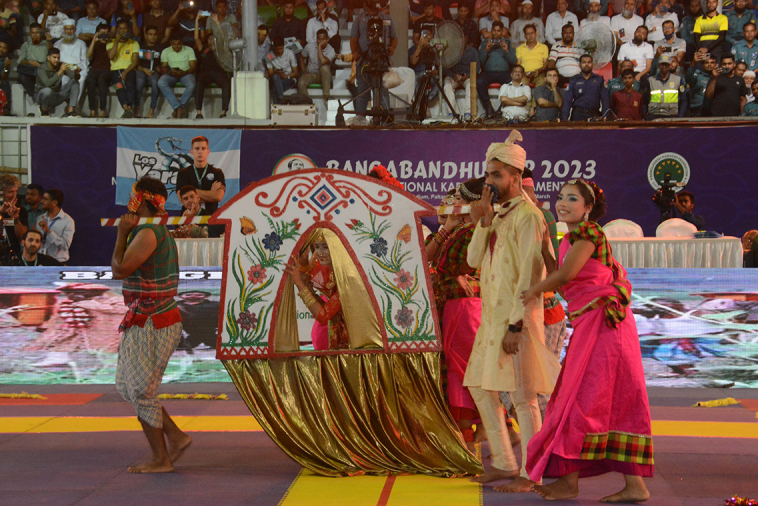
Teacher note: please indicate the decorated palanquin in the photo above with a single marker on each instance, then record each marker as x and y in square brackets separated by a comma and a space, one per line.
[373, 405]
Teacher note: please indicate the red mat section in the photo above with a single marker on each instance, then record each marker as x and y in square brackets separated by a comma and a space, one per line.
[52, 400]
[751, 404]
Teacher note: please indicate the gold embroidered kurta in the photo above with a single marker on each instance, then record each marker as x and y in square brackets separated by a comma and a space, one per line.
[509, 254]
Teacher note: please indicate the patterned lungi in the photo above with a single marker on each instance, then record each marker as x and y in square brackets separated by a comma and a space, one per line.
[142, 358]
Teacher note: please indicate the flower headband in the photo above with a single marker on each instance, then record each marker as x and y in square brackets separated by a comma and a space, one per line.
[385, 176]
[140, 196]
[586, 185]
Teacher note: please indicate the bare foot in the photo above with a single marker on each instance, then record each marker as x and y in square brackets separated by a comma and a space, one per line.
[518, 485]
[628, 496]
[557, 491]
[176, 448]
[153, 467]
[480, 435]
[495, 474]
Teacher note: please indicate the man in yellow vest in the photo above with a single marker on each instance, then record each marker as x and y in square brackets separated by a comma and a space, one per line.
[666, 92]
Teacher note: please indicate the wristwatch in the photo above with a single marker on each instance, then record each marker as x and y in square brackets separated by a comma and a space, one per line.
[515, 329]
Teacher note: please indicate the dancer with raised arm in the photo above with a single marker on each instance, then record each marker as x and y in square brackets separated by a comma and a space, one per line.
[598, 418]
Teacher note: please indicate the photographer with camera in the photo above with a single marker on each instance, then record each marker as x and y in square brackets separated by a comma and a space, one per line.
[52, 19]
[670, 43]
[684, 202]
[421, 57]
[373, 40]
[497, 57]
[51, 92]
[123, 51]
[99, 77]
[726, 91]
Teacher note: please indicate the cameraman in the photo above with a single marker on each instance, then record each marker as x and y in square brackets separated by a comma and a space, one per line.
[497, 57]
[685, 203]
[367, 51]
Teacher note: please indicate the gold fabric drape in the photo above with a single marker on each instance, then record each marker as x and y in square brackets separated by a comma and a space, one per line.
[369, 413]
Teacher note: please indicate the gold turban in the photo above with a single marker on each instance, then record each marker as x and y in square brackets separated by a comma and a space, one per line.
[508, 152]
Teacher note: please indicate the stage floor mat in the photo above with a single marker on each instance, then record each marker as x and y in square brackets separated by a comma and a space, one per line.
[73, 448]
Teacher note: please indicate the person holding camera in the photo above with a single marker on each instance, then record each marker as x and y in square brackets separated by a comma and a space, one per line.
[74, 52]
[123, 51]
[51, 92]
[697, 77]
[182, 21]
[497, 56]
[52, 20]
[126, 11]
[99, 76]
[670, 43]
[216, 19]
[710, 30]
[726, 91]
[665, 93]
[373, 40]
[685, 203]
[178, 64]
[323, 21]
[654, 21]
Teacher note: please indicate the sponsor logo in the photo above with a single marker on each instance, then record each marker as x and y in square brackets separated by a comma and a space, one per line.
[668, 163]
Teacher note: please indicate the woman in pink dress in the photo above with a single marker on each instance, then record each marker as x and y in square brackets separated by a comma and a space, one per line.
[598, 418]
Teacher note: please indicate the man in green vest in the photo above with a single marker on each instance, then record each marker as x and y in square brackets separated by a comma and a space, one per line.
[665, 95]
[145, 257]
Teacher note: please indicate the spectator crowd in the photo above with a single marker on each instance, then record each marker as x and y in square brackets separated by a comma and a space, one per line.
[686, 58]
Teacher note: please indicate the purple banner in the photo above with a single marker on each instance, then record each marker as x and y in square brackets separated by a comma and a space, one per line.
[715, 162]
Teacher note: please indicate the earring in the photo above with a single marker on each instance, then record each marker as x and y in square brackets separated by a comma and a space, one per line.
[586, 216]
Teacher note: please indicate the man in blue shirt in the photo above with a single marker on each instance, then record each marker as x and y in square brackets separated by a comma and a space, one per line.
[56, 226]
[87, 25]
[586, 96]
[738, 18]
[685, 203]
[496, 56]
[747, 50]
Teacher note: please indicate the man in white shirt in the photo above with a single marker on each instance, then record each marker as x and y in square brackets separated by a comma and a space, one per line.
[52, 19]
[639, 52]
[74, 52]
[556, 21]
[281, 69]
[655, 20]
[527, 18]
[321, 21]
[515, 96]
[594, 16]
[56, 226]
[564, 56]
[624, 24]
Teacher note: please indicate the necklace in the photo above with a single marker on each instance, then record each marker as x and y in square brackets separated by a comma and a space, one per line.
[36, 259]
[199, 178]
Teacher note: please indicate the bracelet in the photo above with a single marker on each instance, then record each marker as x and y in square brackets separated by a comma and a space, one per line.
[307, 297]
[515, 329]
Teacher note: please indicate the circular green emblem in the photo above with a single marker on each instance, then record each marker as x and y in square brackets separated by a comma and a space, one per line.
[668, 163]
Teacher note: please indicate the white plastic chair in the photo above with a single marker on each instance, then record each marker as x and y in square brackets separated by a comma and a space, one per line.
[676, 227]
[622, 229]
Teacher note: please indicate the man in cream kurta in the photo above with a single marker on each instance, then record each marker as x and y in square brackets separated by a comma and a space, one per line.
[509, 352]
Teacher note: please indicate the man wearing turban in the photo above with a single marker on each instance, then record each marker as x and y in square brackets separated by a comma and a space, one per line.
[509, 350]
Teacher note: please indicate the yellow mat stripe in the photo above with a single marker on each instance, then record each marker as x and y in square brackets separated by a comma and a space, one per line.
[46, 424]
[705, 429]
[42, 424]
[309, 489]
[437, 491]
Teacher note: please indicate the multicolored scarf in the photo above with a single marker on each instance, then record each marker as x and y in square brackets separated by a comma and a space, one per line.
[158, 201]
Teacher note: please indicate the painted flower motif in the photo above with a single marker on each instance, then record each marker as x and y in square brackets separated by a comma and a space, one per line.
[272, 241]
[379, 247]
[404, 280]
[297, 223]
[256, 274]
[247, 320]
[404, 317]
[354, 223]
